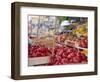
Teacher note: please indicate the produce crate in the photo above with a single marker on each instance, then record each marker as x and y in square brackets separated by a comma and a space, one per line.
[38, 60]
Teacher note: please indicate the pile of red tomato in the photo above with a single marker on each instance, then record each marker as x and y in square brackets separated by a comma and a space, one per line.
[59, 55]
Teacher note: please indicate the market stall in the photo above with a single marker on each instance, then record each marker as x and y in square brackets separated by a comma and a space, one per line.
[64, 42]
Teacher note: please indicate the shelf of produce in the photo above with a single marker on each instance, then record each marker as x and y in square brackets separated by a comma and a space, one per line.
[38, 60]
[71, 45]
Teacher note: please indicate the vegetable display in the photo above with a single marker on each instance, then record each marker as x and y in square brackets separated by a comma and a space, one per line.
[62, 44]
